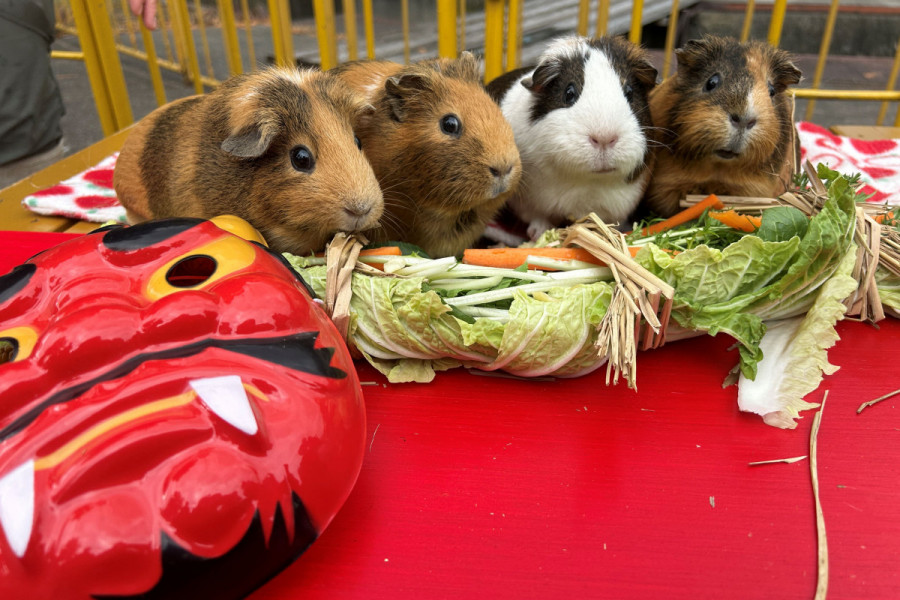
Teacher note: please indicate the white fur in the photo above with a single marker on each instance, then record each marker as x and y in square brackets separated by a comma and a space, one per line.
[564, 175]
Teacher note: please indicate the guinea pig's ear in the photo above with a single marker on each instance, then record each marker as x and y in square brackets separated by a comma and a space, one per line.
[399, 89]
[251, 139]
[784, 71]
[694, 53]
[543, 75]
[646, 73]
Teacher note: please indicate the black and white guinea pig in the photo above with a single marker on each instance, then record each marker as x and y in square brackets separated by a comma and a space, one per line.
[581, 122]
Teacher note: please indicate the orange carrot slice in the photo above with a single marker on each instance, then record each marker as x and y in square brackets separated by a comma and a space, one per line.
[736, 220]
[511, 258]
[688, 214]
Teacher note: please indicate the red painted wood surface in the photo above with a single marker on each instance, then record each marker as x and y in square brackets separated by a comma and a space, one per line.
[478, 487]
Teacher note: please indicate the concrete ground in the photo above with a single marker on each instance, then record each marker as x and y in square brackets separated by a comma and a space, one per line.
[81, 125]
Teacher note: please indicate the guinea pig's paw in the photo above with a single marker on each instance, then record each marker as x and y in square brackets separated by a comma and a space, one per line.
[537, 227]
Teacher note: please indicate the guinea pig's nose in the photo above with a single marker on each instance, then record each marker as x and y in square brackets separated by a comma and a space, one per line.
[743, 122]
[501, 171]
[603, 142]
[357, 208]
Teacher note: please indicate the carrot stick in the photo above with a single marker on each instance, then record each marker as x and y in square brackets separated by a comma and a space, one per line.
[884, 217]
[511, 258]
[688, 214]
[383, 251]
[737, 221]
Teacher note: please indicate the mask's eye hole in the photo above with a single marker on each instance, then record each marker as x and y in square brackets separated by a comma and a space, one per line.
[712, 83]
[771, 90]
[629, 92]
[302, 159]
[358, 142]
[450, 125]
[9, 347]
[191, 271]
[570, 96]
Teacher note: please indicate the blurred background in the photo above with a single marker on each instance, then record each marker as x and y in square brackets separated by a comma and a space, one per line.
[112, 71]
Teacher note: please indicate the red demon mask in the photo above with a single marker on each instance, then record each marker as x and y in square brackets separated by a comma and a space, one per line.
[178, 419]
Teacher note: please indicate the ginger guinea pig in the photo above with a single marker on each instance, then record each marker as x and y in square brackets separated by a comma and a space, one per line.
[444, 155]
[726, 122]
[275, 147]
[581, 122]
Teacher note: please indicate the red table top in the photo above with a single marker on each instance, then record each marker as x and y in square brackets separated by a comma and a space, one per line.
[488, 487]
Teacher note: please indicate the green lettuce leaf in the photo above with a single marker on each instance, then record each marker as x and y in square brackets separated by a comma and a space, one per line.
[796, 353]
[751, 281]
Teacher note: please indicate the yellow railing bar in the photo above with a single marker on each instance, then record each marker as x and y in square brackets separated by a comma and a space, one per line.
[493, 39]
[187, 40]
[369, 20]
[892, 81]
[584, 9]
[670, 39]
[204, 42]
[159, 89]
[67, 55]
[248, 30]
[404, 24]
[107, 71]
[324, 13]
[462, 24]
[637, 12]
[180, 53]
[277, 41]
[165, 64]
[230, 37]
[446, 17]
[877, 95]
[779, 8]
[748, 20]
[602, 18]
[823, 54]
[350, 29]
[129, 24]
[514, 35]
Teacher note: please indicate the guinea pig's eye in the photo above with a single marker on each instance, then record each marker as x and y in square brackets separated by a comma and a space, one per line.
[771, 90]
[302, 159]
[358, 143]
[712, 83]
[570, 95]
[450, 125]
[629, 92]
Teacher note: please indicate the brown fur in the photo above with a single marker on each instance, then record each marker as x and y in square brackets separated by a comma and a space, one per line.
[439, 190]
[228, 152]
[696, 125]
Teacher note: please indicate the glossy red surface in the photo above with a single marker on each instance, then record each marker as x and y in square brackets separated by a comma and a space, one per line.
[174, 407]
[476, 487]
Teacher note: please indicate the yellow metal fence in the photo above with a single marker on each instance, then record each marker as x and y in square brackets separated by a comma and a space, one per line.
[106, 29]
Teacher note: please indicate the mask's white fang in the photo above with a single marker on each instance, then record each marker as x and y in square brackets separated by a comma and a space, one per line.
[17, 506]
[226, 397]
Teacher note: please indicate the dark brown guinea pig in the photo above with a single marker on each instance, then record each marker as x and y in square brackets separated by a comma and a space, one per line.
[725, 122]
[444, 155]
[275, 147]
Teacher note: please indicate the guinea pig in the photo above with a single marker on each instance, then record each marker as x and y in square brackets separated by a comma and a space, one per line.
[275, 147]
[444, 155]
[581, 123]
[725, 120]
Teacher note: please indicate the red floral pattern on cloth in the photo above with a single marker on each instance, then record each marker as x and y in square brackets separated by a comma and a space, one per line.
[877, 161]
[88, 196]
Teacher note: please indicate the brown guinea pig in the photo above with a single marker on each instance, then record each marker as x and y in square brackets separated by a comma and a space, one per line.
[726, 122]
[444, 155]
[275, 147]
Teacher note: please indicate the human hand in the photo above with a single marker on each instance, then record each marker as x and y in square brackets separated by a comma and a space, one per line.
[145, 9]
